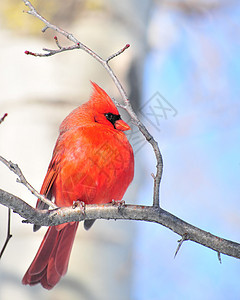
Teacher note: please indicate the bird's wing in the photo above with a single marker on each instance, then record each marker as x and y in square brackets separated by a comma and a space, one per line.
[49, 179]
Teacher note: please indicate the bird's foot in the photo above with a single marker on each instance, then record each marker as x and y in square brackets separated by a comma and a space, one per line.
[80, 204]
[119, 203]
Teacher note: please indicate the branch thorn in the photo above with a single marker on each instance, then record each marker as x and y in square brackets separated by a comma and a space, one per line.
[219, 257]
[180, 242]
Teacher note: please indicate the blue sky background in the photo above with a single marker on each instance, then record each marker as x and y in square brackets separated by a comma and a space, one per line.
[195, 64]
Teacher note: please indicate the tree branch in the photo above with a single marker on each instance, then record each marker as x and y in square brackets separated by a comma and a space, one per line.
[21, 179]
[126, 212]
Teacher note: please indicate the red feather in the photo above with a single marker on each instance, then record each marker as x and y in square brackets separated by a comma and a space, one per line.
[92, 162]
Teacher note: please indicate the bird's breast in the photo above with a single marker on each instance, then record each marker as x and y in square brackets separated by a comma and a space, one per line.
[97, 166]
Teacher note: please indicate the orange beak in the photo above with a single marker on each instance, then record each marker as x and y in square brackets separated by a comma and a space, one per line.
[121, 125]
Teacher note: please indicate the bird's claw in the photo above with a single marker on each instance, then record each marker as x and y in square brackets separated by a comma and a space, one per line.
[119, 203]
[80, 204]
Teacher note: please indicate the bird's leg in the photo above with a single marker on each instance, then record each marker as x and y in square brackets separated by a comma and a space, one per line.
[119, 203]
[80, 204]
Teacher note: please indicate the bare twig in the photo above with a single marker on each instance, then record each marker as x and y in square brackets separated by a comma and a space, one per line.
[9, 235]
[3, 118]
[128, 212]
[117, 53]
[57, 43]
[104, 63]
[21, 179]
[51, 52]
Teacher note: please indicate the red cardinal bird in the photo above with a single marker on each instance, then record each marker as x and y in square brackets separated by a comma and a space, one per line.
[92, 162]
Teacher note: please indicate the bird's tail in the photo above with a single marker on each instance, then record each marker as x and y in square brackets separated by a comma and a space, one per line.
[51, 260]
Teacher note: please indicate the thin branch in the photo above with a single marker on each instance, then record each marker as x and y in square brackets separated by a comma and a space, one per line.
[127, 212]
[3, 118]
[117, 53]
[57, 42]
[127, 107]
[9, 235]
[21, 179]
[51, 52]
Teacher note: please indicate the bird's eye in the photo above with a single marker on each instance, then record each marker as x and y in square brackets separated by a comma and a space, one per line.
[112, 117]
[109, 116]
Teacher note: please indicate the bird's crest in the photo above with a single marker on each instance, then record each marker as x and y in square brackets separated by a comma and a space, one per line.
[101, 102]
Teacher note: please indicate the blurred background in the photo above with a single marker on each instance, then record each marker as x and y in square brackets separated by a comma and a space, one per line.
[182, 75]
